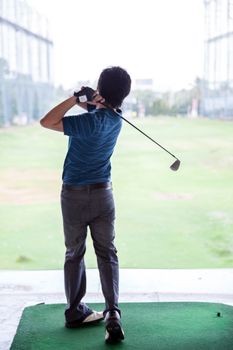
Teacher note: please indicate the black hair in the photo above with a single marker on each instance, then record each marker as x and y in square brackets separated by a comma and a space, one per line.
[114, 85]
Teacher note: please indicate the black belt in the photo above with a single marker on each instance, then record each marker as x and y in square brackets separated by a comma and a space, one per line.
[106, 185]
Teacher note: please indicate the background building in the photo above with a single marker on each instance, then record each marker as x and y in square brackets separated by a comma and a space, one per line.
[217, 87]
[26, 82]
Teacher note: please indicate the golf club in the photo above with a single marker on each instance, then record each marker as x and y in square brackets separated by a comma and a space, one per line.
[87, 94]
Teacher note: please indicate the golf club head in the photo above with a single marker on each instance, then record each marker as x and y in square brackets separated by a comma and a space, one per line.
[175, 166]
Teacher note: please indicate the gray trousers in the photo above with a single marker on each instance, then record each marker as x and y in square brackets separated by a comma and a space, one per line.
[94, 208]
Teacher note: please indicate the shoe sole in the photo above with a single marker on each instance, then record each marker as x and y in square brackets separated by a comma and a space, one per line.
[115, 333]
[82, 324]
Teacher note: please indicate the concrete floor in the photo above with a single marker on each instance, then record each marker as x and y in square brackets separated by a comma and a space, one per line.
[23, 288]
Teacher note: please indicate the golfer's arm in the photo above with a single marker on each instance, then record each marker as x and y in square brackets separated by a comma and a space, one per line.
[53, 119]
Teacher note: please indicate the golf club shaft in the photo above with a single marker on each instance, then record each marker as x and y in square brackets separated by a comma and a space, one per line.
[150, 138]
[142, 132]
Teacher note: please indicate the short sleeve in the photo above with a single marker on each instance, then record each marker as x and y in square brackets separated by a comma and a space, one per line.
[78, 125]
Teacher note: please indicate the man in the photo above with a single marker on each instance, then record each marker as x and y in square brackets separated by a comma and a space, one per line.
[87, 199]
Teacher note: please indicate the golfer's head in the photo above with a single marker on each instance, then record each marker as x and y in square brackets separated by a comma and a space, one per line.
[114, 85]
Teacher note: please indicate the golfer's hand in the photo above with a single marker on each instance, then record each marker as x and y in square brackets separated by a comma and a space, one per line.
[96, 99]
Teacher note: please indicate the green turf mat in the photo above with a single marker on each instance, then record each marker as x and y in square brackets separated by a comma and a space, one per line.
[162, 326]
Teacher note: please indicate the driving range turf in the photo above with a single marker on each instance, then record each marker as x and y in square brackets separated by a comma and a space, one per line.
[147, 326]
[165, 219]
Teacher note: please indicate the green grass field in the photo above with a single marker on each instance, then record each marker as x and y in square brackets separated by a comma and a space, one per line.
[165, 219]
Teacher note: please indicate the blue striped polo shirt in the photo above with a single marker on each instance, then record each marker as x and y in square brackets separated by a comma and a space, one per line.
[92, 138]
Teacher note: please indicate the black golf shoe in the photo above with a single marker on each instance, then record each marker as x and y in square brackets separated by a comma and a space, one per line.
[114, 331]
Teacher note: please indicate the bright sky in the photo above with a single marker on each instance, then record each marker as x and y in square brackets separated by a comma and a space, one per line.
[159, 39]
